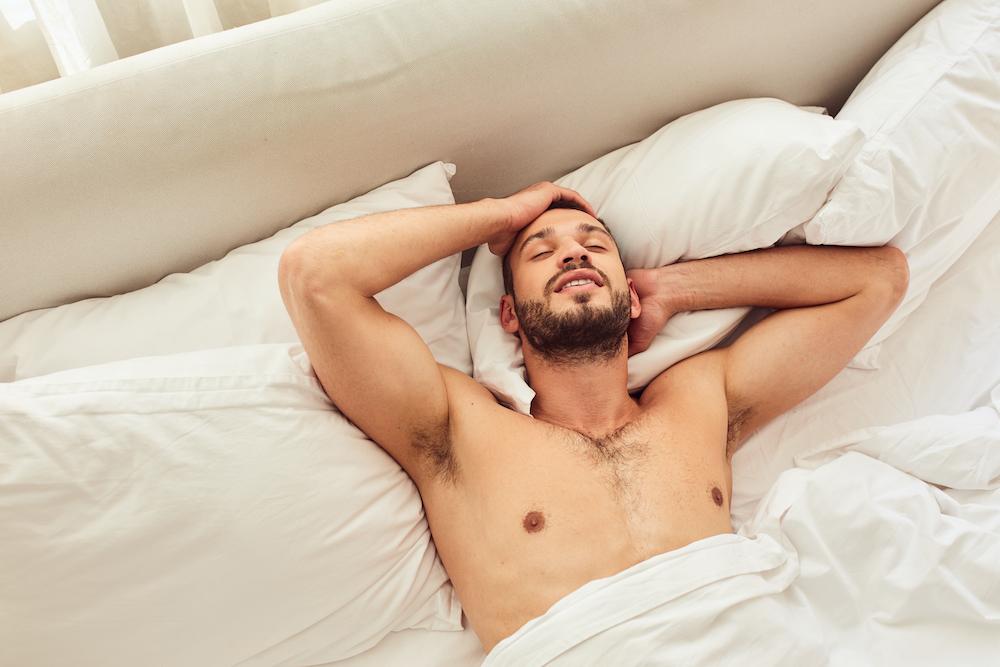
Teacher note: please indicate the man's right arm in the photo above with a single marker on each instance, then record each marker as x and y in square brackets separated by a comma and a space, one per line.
[377, 251]
[373, 365]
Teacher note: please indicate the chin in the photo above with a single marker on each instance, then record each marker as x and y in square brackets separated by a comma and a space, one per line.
[583, 297]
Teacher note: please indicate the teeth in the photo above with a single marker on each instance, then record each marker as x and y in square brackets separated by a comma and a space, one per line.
[574, 283]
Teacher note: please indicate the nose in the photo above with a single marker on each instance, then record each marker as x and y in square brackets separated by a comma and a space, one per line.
[576, 253]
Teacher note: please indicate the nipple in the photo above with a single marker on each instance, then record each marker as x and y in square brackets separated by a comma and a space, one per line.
[717, 496]
[533, 522]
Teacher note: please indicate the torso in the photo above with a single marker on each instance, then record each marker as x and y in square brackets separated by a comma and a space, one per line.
[534, 510]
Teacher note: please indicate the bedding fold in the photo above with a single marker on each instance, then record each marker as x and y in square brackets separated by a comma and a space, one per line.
[660, 611]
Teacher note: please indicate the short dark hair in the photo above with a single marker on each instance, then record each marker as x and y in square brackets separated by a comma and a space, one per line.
[508, 276]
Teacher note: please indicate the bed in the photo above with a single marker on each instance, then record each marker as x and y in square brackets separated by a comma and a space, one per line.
[168, 492]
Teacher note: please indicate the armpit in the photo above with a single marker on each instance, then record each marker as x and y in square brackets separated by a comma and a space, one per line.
[436, 452]
[736, 435]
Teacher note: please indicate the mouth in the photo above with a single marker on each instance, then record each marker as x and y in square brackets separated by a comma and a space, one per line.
[578, 286]
[579, 280]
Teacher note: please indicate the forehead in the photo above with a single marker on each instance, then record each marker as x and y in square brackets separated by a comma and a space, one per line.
[557, 218]
[560, 221]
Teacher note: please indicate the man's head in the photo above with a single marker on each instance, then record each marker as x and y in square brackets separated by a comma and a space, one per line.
[567, 323]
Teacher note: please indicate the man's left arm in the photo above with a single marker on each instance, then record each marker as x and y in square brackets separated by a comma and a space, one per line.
[831, 301]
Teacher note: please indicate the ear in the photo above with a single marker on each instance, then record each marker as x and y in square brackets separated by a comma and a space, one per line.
[636, 309]
[508, 317]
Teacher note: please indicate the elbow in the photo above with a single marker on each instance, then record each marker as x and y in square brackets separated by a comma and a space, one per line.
[291, 268]
[290, 282]
[299, 266]
[291, 263]
[896, 268]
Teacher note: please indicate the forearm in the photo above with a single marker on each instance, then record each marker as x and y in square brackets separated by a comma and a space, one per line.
[376, 251]
[778, 277]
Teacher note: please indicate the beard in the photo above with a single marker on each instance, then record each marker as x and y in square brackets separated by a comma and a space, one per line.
[582, 334]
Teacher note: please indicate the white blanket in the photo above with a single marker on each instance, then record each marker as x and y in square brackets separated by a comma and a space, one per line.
[883, 549]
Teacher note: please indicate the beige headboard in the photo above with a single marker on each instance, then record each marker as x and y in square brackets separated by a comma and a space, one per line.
[158, 163]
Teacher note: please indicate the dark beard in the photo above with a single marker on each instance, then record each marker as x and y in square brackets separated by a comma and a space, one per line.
[583, 334]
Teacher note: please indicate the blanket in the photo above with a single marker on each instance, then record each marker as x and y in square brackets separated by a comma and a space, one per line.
[882, 547]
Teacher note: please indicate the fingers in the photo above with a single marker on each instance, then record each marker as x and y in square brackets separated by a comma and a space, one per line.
[574, 196]
[566, 194]
[636, 348]
[560, 193]
[635, 342]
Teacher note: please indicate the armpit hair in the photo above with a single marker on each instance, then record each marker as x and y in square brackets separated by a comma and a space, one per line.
[735, 436]
[435, 447]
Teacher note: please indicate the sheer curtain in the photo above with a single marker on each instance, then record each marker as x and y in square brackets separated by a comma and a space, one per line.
[46, 39]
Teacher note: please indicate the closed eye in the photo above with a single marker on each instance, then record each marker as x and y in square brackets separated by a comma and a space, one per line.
[549, 251]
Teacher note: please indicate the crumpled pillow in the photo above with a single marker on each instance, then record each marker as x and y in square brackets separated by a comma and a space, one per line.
[204, 508]
[730, 178]
[927, 179]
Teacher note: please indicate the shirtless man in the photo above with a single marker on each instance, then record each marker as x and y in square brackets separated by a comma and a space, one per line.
[524, 510]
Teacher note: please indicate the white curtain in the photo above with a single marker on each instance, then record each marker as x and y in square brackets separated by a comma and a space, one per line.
[46, 39]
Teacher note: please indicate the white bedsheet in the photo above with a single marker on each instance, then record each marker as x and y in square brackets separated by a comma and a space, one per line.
[855, 562]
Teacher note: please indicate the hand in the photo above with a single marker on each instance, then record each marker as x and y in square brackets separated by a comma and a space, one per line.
[524, 206]
[657, 308]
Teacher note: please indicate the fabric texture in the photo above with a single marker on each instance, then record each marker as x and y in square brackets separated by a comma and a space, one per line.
[235, 300]
[638, 616]
[734, 177]
[927, 179]
[203, 508]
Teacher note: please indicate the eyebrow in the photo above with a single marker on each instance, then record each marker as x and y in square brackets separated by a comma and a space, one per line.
[585, 227]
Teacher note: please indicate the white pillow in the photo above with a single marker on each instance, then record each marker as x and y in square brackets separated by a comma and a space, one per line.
[928, 177]
[731, 178]
[235, 300]
[204, 508]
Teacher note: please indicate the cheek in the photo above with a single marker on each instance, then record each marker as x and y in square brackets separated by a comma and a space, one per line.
[614, 274]
[532, 280]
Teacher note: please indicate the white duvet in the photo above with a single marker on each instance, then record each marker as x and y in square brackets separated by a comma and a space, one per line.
[881, 548]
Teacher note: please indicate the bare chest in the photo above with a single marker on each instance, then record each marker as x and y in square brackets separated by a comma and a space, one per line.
[647, 487]
[540, 511]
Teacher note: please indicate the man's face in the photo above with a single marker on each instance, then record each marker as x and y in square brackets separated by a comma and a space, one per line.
[563, 322]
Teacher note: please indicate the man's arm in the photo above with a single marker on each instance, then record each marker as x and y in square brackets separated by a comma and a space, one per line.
[376, 251]
[832, 300]
[373, 365]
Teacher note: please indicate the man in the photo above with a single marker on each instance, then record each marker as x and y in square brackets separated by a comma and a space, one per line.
[524, 510]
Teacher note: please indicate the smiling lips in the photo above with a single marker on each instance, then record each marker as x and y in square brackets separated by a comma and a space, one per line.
[579, 286]
[581, 279]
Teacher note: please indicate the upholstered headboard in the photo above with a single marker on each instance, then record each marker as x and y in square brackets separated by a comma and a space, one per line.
[160, 162]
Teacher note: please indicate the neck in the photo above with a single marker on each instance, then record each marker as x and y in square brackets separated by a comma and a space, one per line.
[589, 397]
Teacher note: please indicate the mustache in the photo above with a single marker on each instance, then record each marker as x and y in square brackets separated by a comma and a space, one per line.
[550, 286]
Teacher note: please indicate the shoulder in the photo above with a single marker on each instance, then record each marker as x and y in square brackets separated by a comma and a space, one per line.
[696, 388]
[694, 391]
[700, 377]
[461, 387]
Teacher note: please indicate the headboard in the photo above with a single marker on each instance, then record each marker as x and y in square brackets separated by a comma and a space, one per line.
[157, 163]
